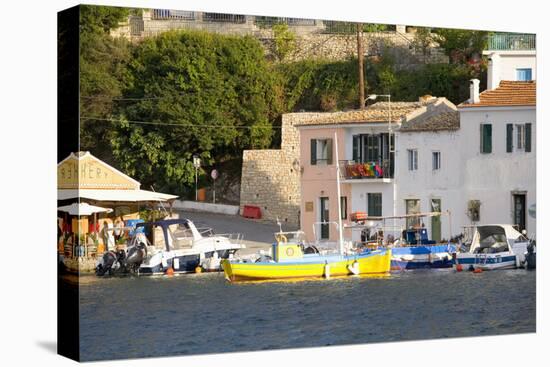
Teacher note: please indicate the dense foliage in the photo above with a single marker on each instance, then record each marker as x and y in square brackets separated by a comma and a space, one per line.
[202, 94]
[149, 107]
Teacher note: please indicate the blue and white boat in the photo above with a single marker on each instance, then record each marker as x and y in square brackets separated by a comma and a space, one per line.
[495, 246]
[413, 249]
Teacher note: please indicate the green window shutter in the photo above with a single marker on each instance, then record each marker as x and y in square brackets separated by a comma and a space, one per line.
[356, 146]
[481, 138]
[528, 137]
[509, 137]
[313, 152]
[489, 129]
[329, 151]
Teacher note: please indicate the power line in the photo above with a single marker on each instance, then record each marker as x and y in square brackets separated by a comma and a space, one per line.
[178, 125]
[130, 98]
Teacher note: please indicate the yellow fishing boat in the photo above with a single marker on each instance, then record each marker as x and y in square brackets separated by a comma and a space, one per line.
[290, 261]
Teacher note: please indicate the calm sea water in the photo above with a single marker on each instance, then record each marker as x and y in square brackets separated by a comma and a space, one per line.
[190, 314]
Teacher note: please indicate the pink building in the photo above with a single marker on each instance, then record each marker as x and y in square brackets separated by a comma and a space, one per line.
[366, 144]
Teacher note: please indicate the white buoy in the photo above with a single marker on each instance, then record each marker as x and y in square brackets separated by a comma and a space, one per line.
[327, 271]
[354, 268]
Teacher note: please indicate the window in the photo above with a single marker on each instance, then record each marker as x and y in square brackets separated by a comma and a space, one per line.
[412, 206]
[344, 206]
[374, 204]
[321, 151]
[520, 137]
[412, 155]
[436, 161]
[486, 138]
[524, 75]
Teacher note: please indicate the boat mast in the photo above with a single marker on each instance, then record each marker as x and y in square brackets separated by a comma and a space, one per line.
[338, 199]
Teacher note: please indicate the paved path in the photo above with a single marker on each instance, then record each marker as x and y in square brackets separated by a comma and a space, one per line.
[257, 235]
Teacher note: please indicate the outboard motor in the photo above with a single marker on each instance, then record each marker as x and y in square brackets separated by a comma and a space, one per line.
[531, 256]
[111, 262]
[107, 264]
[136, 255]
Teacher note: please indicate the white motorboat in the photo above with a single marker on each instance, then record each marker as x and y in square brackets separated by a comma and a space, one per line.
[496, 246]
[174, 244]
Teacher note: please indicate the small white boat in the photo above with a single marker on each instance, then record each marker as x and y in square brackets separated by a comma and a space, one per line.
[496, 246]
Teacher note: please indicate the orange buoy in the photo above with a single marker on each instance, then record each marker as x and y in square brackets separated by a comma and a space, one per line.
[170, 271]
[458, 267]
[198, 269]
[477, 271]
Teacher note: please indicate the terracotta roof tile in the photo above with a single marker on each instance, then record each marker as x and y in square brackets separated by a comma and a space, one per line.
[433, 122]
[378, 112]
[508, 93]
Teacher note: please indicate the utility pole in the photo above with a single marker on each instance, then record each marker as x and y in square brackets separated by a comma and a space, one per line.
[360, 66]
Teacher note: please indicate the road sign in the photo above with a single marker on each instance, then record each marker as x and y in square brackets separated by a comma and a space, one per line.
[196, 162]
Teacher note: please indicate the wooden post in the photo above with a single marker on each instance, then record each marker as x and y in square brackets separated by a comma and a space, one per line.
[360, 66]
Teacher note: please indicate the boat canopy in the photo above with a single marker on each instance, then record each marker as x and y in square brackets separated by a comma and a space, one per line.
[494, 238]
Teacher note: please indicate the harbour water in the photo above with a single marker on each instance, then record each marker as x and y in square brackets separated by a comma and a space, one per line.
[135, 317]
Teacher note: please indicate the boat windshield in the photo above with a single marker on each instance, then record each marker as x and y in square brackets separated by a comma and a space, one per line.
[180, 236]
[492, 240]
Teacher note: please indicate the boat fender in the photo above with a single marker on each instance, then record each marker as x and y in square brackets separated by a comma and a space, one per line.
[327, 270]
[478, 270]
[198, 270]
[354, 268]
[170, 271]
[176, 263]
[459, 267]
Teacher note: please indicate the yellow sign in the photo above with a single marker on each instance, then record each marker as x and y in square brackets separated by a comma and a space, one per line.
[309, 206]
[84, 171]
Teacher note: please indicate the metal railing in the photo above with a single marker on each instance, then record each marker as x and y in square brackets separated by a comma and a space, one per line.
[172, 14]
[511, 41]
[266, 22]
[366, 170]
[223, 18]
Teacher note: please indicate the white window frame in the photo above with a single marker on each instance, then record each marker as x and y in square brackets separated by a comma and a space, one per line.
[412, 159]
[436, 160]
[322, 152]
[520, 137]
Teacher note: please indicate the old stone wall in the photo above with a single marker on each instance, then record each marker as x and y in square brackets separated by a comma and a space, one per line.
[271, 178]
[311, 41]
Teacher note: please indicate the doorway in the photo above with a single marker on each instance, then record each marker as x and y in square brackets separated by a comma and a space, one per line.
[519, 210]
[436, 220]
[324, 218]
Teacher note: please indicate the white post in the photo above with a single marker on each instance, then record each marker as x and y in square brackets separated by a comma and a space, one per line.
[340, 228]
[196, 184]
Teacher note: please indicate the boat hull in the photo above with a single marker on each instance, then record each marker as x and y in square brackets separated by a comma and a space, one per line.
[312, 266]
[422, 257]
[486, 261]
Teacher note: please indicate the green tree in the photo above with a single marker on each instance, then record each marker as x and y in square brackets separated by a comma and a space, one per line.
[461, 44]
[103, 76]
[204, 94]
[284, 41]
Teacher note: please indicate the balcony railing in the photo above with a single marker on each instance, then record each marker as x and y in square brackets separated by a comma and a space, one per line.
[351, 170]
[511, 41]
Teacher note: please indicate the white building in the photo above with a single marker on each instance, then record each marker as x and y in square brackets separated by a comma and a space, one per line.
[427, 172]
[511, 57]
[498, 130]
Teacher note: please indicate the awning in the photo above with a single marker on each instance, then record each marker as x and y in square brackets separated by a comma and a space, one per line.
[83, 209]
[113, 195]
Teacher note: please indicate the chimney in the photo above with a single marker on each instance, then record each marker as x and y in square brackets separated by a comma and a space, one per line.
[493, 71]
[474, 91]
